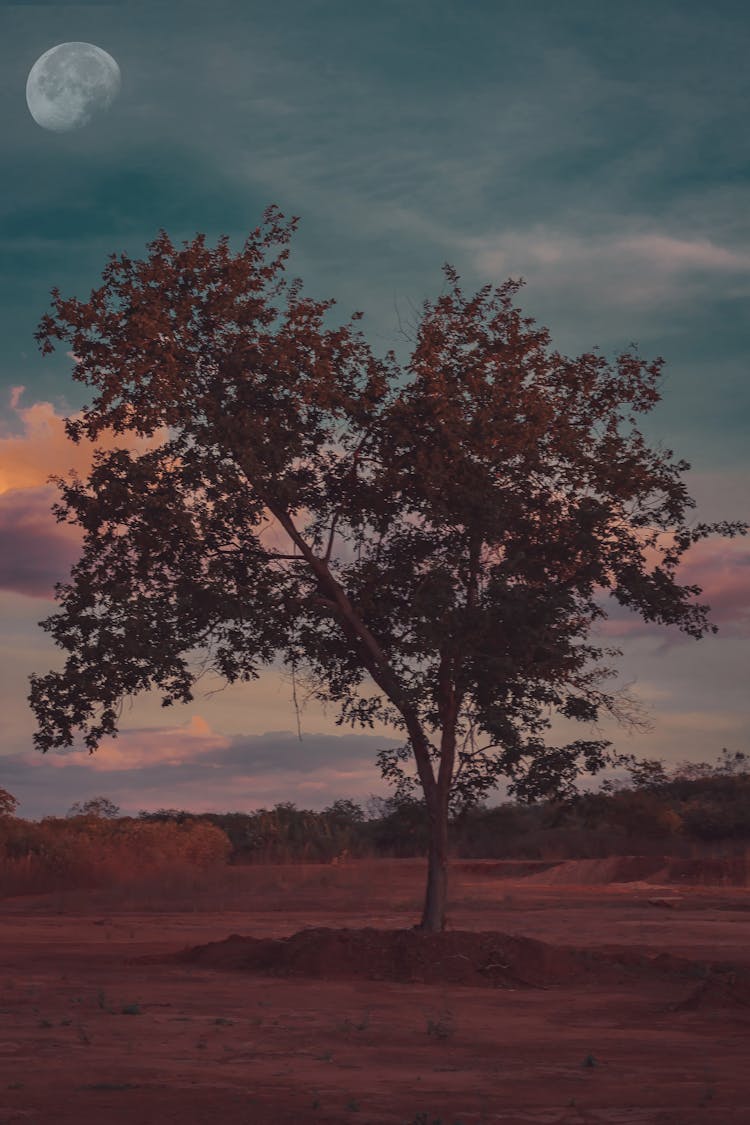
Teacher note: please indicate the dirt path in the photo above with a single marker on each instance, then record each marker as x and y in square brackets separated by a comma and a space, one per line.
[88, 1033]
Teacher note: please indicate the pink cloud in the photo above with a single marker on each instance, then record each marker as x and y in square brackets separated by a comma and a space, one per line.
[721, 568]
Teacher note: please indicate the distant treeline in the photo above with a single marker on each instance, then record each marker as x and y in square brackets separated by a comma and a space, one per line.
[704, 807]
[654, 810]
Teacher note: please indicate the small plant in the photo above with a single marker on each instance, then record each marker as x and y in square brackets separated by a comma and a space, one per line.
[589, 1061]
[350, 1025]
[130, 1010]
[442, 1027]
[352, 1105]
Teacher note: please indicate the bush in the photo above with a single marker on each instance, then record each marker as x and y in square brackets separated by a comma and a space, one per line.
[88, 850]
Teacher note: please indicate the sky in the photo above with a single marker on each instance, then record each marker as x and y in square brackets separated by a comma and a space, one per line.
[599, 151]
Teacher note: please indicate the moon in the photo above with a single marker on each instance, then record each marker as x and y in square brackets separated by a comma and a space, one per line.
[71, 84]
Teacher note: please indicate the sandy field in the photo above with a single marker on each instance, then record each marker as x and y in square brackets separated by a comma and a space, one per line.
[595, 991]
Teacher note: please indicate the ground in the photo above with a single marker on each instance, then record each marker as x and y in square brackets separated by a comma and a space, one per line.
[559, 994]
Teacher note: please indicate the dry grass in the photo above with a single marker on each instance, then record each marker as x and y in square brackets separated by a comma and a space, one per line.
[376, 884]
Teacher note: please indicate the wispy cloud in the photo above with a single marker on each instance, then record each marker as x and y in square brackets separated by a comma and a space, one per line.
[639, 269]
[192, 766]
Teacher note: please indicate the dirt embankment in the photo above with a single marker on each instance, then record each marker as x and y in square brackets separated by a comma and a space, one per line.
[729, 871]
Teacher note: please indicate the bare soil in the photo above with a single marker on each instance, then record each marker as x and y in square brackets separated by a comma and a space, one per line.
[592, 991]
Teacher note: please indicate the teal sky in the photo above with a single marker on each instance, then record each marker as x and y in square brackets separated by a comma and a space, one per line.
[600, 151]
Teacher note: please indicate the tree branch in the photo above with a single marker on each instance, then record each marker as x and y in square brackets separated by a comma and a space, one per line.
[327, 556]
[371, 654]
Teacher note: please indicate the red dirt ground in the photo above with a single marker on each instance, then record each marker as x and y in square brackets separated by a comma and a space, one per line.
[595, 991]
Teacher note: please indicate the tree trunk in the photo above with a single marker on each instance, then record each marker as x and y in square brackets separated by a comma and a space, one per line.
[433, 914]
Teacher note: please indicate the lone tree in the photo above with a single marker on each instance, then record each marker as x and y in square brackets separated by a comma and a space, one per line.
[446, 536]
[99, 807]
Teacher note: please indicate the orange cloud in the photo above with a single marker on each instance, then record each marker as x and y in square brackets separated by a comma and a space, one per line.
[43, 448]
[134, 749]
[37, 550]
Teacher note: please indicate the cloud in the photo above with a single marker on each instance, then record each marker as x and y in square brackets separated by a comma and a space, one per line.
[722, 569]
[43, 449]
[193, 767]
[35, 551]
[637, 268]
[189, 746]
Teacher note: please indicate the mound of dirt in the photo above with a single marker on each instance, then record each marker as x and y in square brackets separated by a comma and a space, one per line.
[460, 957]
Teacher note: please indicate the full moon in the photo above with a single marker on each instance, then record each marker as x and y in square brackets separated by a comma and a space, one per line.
[70, 84]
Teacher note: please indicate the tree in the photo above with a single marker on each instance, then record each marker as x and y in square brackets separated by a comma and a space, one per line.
[344, 813]
[8, 803]
[446, 537]
[95, 806]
